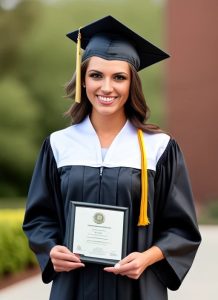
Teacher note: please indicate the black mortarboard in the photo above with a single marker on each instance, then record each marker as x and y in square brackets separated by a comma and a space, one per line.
[110, 39]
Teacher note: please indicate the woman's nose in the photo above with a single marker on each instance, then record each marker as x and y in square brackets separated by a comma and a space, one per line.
[107, 86]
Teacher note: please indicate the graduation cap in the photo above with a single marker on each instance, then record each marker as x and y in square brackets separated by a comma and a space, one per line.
[109, 39]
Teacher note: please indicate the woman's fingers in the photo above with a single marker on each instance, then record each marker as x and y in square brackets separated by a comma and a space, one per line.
[67, 266]
[64, 260]
[119, 269]
[128, 258]
[132, 266]
[123, 265]
[64, 256]
[63, 253]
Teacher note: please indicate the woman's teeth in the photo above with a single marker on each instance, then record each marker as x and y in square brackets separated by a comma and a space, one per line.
[106, 99]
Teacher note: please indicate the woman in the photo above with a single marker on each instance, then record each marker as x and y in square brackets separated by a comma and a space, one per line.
[98, 160]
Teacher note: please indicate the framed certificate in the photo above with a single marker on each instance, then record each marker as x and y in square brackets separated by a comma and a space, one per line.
[98, 233]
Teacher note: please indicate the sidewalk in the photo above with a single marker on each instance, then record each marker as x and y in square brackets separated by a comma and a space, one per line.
[202, 280]
[200, 283]
[28, 289]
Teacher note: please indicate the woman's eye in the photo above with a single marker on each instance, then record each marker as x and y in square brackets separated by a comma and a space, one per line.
[120, 77]
[95, 75]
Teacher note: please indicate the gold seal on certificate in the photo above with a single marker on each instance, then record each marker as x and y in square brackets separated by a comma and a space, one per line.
[98, 218]
[97, 232]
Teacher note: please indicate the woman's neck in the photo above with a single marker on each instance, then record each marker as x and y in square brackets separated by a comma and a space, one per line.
[107, 127]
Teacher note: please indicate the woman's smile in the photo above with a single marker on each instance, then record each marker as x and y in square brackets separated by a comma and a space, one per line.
[105, 100]
[107, 86]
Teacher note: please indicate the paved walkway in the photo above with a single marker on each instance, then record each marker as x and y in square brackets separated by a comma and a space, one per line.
[200, 284]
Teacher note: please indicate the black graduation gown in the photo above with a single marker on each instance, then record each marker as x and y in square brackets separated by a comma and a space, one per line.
[68, 168]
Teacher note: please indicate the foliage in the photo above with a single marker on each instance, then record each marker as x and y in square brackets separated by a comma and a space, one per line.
[15, 253]
[18, 144]
[36, 60]
[209, 213]
[13, 31]
[18, 111]
[12, 203]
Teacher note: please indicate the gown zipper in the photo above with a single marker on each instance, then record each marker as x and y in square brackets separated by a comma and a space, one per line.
[101, 171]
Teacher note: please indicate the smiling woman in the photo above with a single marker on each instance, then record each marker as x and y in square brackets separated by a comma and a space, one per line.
[135, 108]
[107, 86]
[111, 157]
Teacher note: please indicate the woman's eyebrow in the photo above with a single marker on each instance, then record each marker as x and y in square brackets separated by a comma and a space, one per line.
[116, 73]
[93, 70]
[121, 73]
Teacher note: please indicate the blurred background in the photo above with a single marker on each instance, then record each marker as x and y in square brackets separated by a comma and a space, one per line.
[36, 60]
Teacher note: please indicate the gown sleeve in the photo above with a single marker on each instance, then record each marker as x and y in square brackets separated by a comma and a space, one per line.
[176, 231]
[42, 221]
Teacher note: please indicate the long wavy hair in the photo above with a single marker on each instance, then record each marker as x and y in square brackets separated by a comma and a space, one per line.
[136, 109]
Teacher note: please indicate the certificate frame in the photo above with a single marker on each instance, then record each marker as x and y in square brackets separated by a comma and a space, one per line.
[72, 224]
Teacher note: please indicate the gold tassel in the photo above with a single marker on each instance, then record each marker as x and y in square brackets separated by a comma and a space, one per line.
[143, 217]
[78, 69]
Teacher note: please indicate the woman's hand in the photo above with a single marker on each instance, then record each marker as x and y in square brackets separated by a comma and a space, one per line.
[135, 263]
[64, 260]
[132, 266]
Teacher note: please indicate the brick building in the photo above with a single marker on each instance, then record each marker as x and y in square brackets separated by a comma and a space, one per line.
[192, 89]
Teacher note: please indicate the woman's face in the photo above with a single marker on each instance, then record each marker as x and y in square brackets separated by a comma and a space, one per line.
[107, 86]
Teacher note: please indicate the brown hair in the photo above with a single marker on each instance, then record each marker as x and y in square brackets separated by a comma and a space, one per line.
[136, 109]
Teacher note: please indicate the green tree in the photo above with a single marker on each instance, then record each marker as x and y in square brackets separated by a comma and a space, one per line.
[18, 112]
[14, 26]
[19, 117]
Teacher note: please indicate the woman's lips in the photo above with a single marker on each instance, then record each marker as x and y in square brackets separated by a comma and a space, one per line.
[106, 99]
